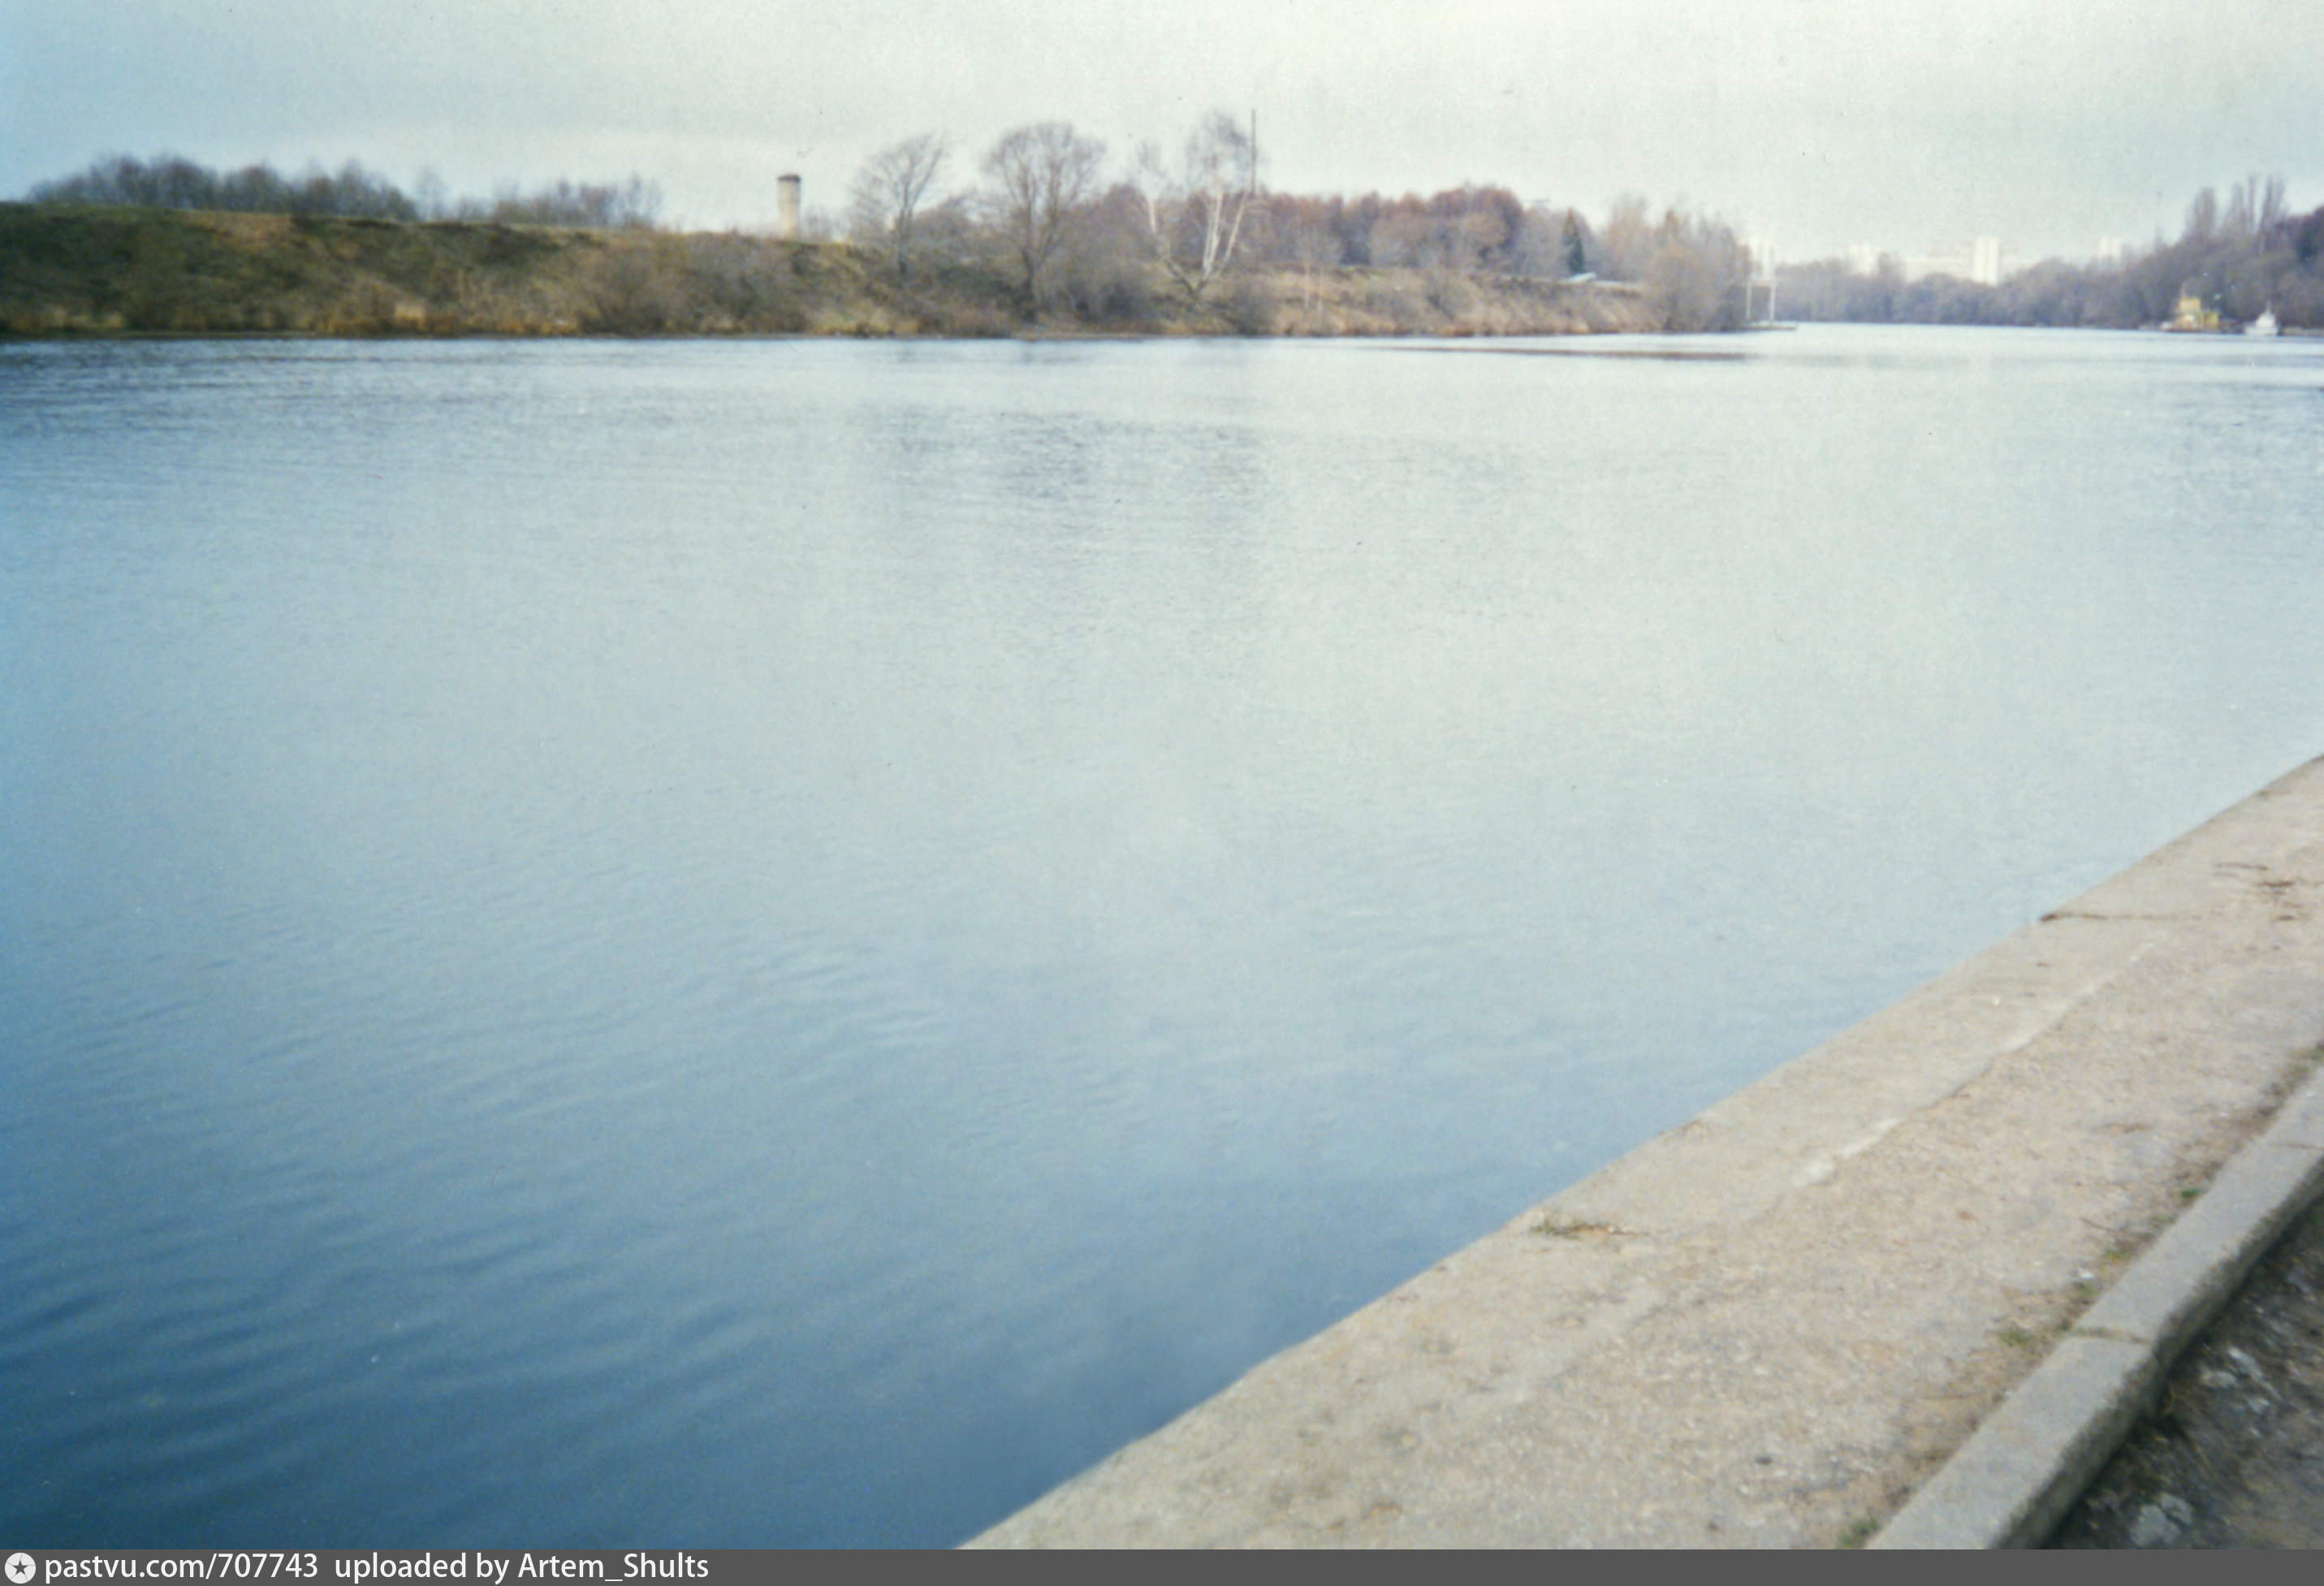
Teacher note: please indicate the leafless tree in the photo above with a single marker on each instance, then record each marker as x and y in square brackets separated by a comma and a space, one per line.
[1546, 244]
[1310, 247]
[2271, 205]
[173, 182]
[1696, 273]
[885, 201]
[1402, 239]
[2203, 216]
[1046, 172]
[1627, 241]
[1195, 213]
[2254, 209]
[626, 207]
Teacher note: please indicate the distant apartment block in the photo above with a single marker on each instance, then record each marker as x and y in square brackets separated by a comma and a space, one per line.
[1982, 260]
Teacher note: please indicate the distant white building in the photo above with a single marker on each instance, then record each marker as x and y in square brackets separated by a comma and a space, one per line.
[2107, 252]
[1985, 260]
[1863, 258]
[1761, 253]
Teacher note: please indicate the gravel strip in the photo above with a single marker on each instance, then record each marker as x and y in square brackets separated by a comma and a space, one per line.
[2233, 1453]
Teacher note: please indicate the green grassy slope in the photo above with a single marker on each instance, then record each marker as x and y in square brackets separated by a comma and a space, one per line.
[75, 270]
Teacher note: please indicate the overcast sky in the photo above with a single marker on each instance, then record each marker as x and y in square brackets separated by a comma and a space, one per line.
[1808, 122]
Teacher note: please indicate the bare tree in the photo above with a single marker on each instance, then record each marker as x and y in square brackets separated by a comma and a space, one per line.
[1195, 213]
[1403, 239]
[1696, 274]
[2203, 216]
[629, 206]
[888, 193]
[173, 182]
[1046, 171]
[2254, 209]
[1313, 248]
[2241, 220]
[1624, 246]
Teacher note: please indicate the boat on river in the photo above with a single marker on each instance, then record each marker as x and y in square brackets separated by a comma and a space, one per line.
[2191, 314]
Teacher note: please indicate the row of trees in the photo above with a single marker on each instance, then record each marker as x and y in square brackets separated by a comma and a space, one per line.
[2242, 257]
[1048, 206]
[171, 183]
[1069, 230]
[1072, 239]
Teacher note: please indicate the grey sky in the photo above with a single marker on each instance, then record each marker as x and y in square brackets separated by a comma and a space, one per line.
[2049, 123]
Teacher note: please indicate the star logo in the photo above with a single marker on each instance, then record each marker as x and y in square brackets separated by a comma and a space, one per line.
[20, 1568]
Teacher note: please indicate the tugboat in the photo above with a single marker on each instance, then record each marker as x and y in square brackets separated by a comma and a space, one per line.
[2264, 324]
[2192, 315]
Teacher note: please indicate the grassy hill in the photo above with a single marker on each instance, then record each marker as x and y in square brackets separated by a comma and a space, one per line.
[73, 271]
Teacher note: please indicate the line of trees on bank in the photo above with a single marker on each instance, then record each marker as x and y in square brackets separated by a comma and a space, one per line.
[1080, 235]
[1072, 233]
[169, 182]
[2242, 258]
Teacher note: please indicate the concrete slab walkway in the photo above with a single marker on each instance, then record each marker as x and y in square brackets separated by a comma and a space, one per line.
[1772, 1326]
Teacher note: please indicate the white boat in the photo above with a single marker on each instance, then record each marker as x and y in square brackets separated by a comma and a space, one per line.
[2264, 324]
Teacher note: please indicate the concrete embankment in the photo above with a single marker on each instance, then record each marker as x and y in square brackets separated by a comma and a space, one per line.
[1773, 1324]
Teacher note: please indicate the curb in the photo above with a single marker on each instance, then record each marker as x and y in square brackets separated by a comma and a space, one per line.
[2010, 1483]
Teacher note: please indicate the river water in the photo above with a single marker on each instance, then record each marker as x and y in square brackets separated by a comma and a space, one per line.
[759, 942]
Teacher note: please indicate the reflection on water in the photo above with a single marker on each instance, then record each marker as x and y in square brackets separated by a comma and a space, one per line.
[773, 942]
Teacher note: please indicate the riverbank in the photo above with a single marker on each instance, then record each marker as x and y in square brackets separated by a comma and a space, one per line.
[67, 271]
[1772, 1326]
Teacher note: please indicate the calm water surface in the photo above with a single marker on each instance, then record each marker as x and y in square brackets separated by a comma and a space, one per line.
[775, 943]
